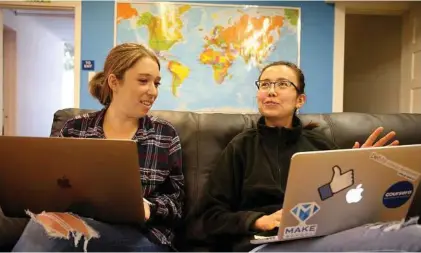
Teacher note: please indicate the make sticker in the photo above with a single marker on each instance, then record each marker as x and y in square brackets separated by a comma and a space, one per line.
[339, 182]
[401, 170]
[302, 212]
[398, 194]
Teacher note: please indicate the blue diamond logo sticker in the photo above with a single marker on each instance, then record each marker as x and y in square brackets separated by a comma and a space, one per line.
[304, 211]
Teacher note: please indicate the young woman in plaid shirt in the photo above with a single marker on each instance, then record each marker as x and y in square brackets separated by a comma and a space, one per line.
[127, 88]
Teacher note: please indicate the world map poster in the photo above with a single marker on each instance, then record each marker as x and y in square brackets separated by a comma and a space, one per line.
[210, 54]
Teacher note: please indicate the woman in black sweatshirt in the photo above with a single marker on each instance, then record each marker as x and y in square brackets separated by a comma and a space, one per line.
[245, 192]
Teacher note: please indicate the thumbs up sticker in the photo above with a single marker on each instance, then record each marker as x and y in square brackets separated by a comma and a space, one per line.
[340, 181]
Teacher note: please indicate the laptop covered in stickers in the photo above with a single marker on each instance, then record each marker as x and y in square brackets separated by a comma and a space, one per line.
[332, 191]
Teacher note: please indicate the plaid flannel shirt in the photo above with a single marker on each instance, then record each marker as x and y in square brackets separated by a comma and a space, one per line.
[160, 168]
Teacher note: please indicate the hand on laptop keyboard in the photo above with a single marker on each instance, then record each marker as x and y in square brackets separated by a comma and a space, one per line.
[268, 222]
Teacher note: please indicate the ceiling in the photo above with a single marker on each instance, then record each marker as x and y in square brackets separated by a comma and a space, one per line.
[60, 23]
[373, 7]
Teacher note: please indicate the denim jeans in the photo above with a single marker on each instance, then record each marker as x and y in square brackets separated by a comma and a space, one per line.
[396, 236]
[112, 238]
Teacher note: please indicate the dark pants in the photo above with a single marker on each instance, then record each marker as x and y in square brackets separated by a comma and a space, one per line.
[397, 236]
[112, 238]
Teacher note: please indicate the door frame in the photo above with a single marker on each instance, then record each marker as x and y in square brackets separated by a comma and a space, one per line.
[410, 44]
[341, 9]
[338, 58]
[76, 6]
[9, 74]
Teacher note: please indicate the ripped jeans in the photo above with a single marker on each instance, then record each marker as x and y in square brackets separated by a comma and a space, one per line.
[104, 238]
[394, 236]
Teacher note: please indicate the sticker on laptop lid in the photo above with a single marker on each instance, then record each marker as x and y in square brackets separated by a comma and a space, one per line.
[302, 212]
[340, 181]
[401, 170]
[398, 194]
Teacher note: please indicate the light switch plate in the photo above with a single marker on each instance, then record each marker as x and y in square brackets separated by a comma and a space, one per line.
[91, 74]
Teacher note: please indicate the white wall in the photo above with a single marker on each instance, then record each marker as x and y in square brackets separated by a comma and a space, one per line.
[372, 74]
[39, 75]
[68, 89]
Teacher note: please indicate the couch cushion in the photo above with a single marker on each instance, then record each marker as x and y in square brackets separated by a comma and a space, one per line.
[10, 230]
[346, 128]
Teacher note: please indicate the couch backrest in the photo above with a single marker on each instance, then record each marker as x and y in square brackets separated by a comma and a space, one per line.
[205, 135]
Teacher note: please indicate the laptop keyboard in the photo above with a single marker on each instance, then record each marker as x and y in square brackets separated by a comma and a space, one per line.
[257, 237]
[267, 235]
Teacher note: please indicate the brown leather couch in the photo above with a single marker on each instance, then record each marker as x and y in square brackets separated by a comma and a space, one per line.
[204, 136]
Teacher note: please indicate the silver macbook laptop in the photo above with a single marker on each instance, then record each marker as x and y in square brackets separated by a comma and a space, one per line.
[332, 191]
[97, 178]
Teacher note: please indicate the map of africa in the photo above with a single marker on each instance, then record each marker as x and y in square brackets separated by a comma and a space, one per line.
[210, 55]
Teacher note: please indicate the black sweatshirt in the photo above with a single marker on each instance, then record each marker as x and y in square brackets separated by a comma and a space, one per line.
[250, 179]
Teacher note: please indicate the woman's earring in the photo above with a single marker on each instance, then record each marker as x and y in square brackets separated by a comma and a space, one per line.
[297, 111]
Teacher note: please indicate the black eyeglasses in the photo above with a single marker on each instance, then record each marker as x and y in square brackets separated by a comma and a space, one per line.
[281, 84]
